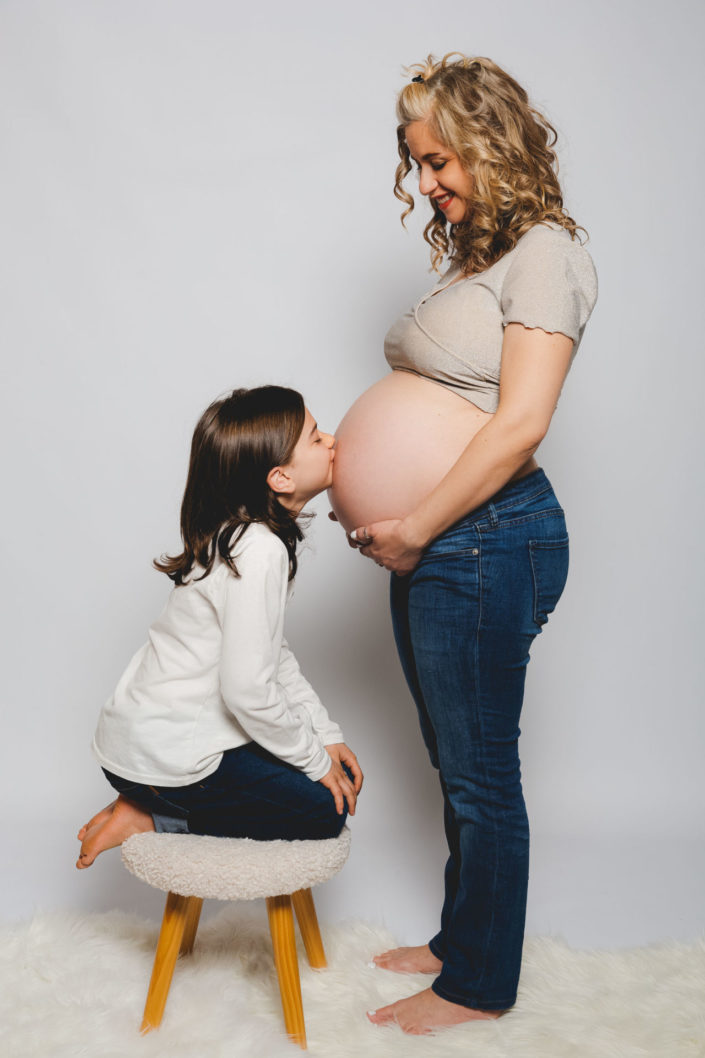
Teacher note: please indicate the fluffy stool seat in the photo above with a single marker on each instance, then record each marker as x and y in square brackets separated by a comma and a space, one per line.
[191, 868]
[233, 868]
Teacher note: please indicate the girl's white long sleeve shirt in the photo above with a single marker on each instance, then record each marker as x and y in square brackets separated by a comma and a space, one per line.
[215, 674]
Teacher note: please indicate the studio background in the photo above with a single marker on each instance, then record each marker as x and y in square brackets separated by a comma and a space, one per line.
[197, 196]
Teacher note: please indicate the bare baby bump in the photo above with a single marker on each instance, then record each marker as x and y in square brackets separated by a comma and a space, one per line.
[395, 444]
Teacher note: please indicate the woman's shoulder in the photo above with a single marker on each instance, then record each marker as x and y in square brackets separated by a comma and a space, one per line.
[549, 240]
[550, 281]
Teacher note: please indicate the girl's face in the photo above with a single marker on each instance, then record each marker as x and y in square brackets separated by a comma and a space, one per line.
[441, 173]
[310, 469]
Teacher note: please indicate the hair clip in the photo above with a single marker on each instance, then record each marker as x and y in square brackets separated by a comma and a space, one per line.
[418, 79]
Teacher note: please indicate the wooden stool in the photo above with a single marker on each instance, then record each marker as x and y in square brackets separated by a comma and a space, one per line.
[191, 868]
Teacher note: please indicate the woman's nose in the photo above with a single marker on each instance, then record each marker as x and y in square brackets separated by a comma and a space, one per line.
[427, 181]
[329, 439]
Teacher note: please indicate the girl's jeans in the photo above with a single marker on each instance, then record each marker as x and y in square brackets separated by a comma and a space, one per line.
[252, 794]
[464, 620]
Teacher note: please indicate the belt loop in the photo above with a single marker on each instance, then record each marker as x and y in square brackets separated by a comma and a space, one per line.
[492, 515]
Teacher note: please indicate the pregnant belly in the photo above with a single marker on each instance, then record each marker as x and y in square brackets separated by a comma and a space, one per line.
[395, 444]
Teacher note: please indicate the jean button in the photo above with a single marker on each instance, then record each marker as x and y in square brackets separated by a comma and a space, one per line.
[476, 551]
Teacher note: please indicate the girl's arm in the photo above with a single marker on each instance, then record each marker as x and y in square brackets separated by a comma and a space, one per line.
[252, 621]
[534, 365]
[300, 693]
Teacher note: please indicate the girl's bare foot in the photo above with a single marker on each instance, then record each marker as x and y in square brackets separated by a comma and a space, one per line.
[419, 1015]
[111, 827]
[101, 817]
[418, 960]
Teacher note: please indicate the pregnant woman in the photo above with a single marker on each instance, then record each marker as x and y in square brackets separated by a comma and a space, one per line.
[436, 480]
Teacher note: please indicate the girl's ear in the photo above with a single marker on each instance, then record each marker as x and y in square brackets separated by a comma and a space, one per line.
[279, 481]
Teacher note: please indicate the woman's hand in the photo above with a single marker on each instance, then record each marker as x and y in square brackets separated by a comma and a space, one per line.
[390, 544]
[337, 780]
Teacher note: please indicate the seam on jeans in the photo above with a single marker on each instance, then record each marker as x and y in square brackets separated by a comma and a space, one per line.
[513, 502]
[480, 515]
[495, 837]
[524, 519]
[557, 544]
[292, 806]
[436, 555]
[179, 811]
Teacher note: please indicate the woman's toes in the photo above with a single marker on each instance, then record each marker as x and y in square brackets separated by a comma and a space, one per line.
[382, 1016]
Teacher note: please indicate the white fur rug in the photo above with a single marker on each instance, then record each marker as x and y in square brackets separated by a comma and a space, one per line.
[74, 985]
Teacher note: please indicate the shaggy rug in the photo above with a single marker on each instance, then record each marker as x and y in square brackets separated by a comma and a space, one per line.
[74, 986]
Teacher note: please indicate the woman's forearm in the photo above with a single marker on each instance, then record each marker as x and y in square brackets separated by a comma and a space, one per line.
[493, 456]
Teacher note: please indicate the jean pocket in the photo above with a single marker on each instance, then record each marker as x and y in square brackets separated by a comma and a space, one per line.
[549, 568]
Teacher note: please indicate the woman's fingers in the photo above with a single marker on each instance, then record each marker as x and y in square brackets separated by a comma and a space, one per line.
[361, 536]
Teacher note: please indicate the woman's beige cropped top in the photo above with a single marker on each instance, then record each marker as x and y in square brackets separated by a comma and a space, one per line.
[453, 335]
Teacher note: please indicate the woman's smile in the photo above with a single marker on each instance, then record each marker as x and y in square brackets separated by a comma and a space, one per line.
[443, 201]
[442, 175]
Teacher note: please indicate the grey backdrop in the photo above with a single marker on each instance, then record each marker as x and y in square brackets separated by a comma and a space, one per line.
[197, 196]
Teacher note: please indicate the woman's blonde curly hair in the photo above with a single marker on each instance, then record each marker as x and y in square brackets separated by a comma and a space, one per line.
[478, 111]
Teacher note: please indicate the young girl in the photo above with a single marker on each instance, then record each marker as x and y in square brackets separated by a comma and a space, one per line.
[212, 728]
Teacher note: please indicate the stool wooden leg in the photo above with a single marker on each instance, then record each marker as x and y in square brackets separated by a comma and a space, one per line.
[281, 925]
[193, 914]
[168, 945]
[308, 924]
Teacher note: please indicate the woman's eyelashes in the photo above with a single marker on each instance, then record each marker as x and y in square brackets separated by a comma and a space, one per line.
[436, 166]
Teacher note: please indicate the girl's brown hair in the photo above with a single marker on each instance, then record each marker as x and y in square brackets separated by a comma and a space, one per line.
[237, 441]
[484, 116]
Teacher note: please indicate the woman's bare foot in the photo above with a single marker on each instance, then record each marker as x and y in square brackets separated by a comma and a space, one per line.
[419, 1015]
[101, 817]
[110, 828]
[418, 960]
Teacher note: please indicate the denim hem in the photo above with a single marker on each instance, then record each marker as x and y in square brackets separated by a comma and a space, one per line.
[169, 824]
[436, 948]
[494, 1006]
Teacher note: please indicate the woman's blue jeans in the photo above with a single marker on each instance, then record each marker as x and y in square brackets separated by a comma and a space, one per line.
[252, 794]
[464, 620]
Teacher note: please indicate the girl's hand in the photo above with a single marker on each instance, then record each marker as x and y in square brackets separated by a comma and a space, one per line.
[390, 544]
[338, 782]
[344, 755]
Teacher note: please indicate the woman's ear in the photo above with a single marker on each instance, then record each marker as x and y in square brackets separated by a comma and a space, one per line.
[279, 481]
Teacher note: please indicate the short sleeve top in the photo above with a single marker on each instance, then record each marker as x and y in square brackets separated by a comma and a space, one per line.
[453, 335]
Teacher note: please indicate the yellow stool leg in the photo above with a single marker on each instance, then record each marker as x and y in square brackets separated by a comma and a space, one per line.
[168, 945]
[281, 925]
[308, 924]
[193, 914]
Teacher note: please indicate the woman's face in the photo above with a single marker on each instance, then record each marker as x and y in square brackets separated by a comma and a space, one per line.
[441, 173]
